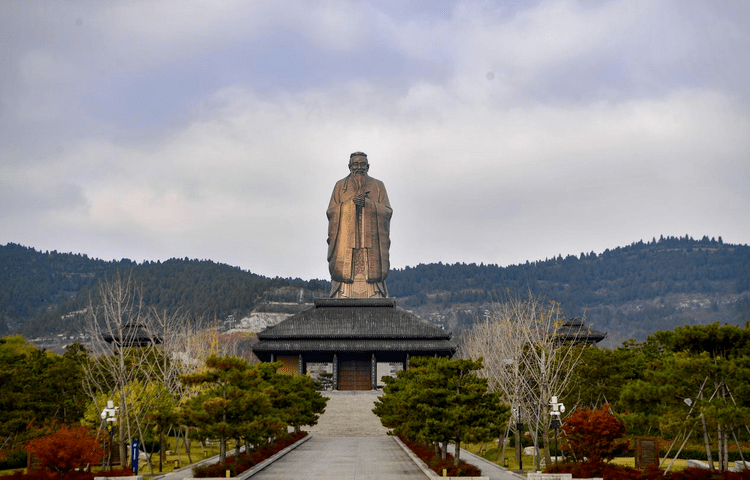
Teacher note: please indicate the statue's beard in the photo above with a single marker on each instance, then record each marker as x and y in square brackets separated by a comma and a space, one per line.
[360, 178]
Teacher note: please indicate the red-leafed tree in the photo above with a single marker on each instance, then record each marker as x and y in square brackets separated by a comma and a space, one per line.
[68, 448]
[594, 434]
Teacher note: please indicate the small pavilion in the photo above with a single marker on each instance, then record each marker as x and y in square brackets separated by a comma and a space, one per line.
[131, 334]
[576, 331]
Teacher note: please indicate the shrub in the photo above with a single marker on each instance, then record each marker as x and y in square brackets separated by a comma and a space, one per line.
[247, 460]
[214, 470]
[13, 459]
[437, 464]
[67, 449]
[616, 472]
[74, 475]
[150, 446]
[593, 434]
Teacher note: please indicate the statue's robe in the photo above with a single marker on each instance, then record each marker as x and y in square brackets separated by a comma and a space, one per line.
[374, 231]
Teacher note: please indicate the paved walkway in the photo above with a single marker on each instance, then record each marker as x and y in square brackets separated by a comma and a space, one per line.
[344, 458]
[349, 443]
[349, 414]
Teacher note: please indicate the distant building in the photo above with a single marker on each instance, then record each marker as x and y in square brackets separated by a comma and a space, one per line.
[132, 335]
[575, 331]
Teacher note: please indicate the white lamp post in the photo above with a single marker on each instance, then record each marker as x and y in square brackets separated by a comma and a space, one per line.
[555, 410]
[109, 417]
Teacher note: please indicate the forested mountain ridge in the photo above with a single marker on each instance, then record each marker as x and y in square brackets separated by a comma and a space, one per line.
[629, 291]
[38, 290]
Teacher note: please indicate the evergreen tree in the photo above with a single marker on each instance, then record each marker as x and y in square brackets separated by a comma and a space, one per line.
[38, 386]
[294, 397]
[440, 401]
[230, 402]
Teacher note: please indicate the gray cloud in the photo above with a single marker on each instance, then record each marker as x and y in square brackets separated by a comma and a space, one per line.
[143, 131]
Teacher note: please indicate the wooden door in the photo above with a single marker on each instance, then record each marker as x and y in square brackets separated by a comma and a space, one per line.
[354, 374]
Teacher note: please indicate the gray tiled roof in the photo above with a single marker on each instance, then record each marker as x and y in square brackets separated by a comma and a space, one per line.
[132, 334]
[354, 345]
[355, 325]
[333, 318]
[576, 331]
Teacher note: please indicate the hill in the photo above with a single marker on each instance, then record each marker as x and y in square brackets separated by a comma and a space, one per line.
[630, 292]
[38, 290]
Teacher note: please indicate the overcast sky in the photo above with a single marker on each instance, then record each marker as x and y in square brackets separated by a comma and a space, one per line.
[504, 131]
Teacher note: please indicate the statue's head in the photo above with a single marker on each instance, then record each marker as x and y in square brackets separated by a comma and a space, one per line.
[358, 163]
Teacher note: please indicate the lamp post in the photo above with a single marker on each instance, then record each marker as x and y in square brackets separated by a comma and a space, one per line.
[109, 417]
[519, 435]
[555, 410]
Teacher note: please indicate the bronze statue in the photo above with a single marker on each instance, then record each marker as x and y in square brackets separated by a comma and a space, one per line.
[359, 224]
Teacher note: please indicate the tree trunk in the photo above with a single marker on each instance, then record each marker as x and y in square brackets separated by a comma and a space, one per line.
[162, 457]
[223, 442]
[187, 446]
[708, 445]
[177, 446]
[545, 442]
[739, 449]
[725, 434]
[501, 449]
[150, 462]
[457, 457]
[121, 432]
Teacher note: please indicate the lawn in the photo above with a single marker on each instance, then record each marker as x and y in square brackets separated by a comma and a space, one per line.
[511, 461]
[171, 462]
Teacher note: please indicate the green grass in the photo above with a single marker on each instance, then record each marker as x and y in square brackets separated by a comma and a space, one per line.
[511, 461]
[12, 471]
[492, 454]
[168, 465]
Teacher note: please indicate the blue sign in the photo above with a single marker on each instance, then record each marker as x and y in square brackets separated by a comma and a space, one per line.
[134, 455]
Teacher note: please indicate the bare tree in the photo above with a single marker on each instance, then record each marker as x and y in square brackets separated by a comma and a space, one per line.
[139, 357]
[127, 361]
[186, 344]
[526, 360]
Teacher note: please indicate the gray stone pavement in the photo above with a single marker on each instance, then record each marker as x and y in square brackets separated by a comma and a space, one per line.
[349, 414]
[349, 443]
[344, 458]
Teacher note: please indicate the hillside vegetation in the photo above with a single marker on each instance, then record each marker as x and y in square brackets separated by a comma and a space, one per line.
[628, 292]
[39, 291]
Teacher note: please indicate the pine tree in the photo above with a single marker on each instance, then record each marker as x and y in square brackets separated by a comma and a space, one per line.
[440, 401]
[229, 403]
